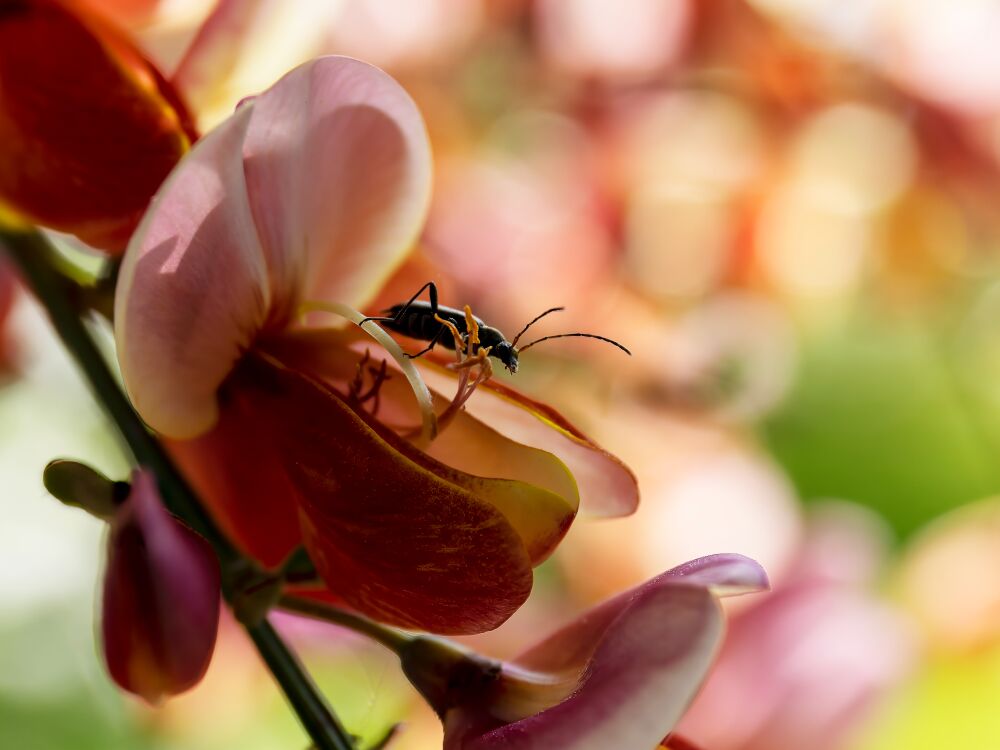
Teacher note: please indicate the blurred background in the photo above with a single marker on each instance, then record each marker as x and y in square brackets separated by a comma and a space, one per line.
[786, 209]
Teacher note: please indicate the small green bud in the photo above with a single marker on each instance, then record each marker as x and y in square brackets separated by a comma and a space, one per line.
[76, 484]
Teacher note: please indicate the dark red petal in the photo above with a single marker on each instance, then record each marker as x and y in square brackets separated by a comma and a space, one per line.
[676, 742]
[88, 128]
[161, 598]
[395, 534]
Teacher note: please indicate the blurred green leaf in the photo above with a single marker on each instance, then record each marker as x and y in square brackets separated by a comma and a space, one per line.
[879, 415]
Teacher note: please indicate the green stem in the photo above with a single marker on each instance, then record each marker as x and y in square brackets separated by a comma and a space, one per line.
[34, 255]
[327, 733]
[392, 639]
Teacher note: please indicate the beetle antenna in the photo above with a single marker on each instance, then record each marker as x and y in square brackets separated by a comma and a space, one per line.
[567, 335]
[533, 321]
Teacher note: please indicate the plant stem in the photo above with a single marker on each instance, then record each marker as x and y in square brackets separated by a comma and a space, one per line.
[326, 731]
[34, 255]
[392, 639]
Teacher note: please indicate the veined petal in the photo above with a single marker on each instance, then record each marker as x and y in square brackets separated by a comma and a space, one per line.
[88, 127]
[338, 169]
[394, 533]
[607, 487]
[193, 290]
[632, 665]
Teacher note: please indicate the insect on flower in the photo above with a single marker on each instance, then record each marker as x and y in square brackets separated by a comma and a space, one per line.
[429, 321]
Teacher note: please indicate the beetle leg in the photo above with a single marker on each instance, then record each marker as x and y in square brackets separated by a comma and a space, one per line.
[430, 346]
[432, 293]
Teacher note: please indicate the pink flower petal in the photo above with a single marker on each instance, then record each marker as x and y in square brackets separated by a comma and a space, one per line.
[193, 289]
[314, 189]
[338, 167]
[161, 598]
[637, 659]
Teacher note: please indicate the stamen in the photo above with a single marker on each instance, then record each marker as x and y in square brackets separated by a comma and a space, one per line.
[379, 375]
[459, 341]
[359, 377]
[428, 419]
[473, 328]
[474, 356]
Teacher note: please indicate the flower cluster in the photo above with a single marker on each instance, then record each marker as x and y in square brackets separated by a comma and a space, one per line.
[234, 319]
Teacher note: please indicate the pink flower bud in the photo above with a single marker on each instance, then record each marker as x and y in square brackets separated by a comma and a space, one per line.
[161, 598]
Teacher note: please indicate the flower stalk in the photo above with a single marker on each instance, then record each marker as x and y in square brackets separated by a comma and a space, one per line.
[34, 256]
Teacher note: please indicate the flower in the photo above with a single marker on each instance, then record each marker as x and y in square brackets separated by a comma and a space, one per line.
[88, 127]
[315, 190]
[620, 675]
[160, 608]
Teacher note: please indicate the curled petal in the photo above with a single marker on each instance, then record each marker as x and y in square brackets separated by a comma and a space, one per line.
[629, 667]
[88, 127]
[394, 533]
[161, 598]
[606, 485]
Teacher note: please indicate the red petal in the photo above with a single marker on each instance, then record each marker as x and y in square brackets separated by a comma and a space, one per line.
[88, 128]
[466, 444]
[399, 536]
[161, 598]
[241, 479]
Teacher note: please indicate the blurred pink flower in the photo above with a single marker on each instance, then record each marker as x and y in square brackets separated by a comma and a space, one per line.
[803, 667]
[619, 676]
[160, 612]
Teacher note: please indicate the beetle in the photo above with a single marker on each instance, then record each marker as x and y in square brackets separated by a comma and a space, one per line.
[418, 320]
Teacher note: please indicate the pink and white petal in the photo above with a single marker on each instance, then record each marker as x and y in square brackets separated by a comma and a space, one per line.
[193, 290]
[646, 667]
[725, 574]
[568, 648]
[338, 167]
[607, 487]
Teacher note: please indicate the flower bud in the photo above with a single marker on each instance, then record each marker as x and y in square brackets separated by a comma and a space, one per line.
[161, 598]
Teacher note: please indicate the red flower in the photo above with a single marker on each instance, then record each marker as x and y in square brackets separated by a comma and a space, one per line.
[88, 127]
